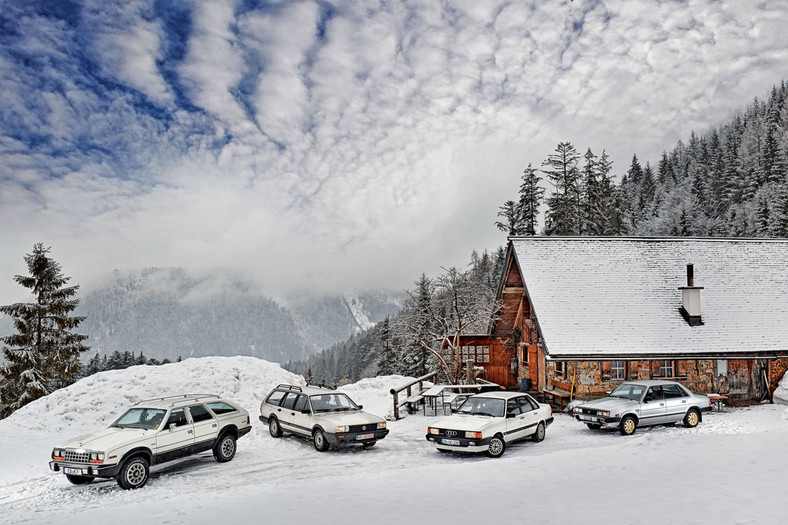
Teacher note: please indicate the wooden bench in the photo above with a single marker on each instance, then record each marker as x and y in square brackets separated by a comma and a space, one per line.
[557, 397]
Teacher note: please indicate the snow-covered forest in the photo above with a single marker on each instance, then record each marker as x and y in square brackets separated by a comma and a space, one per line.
[728, 181]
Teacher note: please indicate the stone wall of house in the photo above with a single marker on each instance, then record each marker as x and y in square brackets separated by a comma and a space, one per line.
[586, 380]
[777, 369]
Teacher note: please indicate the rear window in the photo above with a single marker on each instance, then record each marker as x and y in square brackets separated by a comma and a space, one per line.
[220, 408]
[275, 397]
[199, 413]
[289, 401]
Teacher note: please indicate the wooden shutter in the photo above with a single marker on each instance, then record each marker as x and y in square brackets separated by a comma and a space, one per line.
[655, 369]
[681, 368]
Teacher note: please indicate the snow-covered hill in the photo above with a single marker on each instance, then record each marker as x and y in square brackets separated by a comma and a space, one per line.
[701, 475]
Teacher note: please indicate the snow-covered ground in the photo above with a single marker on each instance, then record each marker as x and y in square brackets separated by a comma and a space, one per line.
[733, 468]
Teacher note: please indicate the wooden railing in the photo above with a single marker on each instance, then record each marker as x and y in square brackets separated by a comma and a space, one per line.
[408, 389]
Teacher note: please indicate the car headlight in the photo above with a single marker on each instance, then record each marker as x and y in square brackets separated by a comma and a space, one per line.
[473, 435]
[605, 413]
[381, 425]
[343, 428]
[96, 456]
[577, 410]
[57, 453]
[433, 431]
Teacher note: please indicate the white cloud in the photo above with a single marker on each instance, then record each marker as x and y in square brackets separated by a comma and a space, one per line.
[356, 147]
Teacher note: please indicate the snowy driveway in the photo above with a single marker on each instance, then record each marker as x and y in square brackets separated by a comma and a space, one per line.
[731, 469]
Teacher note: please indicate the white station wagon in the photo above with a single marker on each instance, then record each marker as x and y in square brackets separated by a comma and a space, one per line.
[328, 417]
[488, 422]
[153, 432]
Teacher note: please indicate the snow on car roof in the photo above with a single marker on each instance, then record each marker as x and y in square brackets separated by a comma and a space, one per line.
[621, 296]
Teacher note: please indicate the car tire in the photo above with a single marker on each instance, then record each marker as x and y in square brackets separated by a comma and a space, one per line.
[79, 480]
[319, 440]
[593, 426]
[691, 418]
[134, 473]
[224, 449]
[628, 426]
[497, 446]
[274, 427]
[539, 434]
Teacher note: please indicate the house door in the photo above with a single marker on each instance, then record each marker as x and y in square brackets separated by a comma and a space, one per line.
[740, 378]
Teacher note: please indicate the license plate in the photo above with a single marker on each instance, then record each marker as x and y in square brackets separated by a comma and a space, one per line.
[364, 436]
[72, 471]
[455, 442]
[586, 418]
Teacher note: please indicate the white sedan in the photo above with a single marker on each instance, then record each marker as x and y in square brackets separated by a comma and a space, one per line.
[488, 422]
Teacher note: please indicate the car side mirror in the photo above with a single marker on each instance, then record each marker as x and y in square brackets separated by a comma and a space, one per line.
[171, 427]
[510, 415]
[361, 407]
[453, 410]
[305, 411]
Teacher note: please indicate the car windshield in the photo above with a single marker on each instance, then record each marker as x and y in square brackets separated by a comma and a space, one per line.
[149, 418]
[332, 403]
[483, 406]
[629, 391]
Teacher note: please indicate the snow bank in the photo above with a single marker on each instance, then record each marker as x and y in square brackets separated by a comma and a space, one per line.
[95, 401]
[374, 393]
[781, 394]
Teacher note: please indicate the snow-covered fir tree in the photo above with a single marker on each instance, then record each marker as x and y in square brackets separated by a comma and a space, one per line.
[43, 354]
[563, 216]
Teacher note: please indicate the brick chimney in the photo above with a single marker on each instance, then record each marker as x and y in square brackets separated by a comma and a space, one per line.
[690, 299]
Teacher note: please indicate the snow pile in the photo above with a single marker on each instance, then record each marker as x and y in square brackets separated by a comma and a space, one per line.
[374, 393]
[781, 394]
[95, 401]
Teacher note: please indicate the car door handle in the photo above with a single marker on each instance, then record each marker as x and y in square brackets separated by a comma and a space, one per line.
[662, 404]
[214, 425]
[683, 400]
[190, 432]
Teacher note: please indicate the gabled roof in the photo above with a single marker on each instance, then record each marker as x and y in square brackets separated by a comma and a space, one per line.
[620, 297]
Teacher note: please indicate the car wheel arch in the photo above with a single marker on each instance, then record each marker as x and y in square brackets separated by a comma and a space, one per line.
[139, 451]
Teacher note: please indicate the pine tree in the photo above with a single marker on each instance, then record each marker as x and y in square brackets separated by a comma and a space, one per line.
[563, 206]
[531, 196]
[511, 222]
[44, 353]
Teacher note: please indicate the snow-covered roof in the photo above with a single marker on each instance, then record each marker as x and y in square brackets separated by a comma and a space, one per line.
[621, 297]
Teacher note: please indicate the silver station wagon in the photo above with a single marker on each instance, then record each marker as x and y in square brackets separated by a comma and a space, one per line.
[636, 404]
[327, 417]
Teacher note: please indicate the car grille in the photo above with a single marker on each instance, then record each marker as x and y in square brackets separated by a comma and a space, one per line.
[589, 411]
[76, 457]
[450, 433]
[369, 427]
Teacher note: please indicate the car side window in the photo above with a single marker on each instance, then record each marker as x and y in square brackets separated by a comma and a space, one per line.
[289, 401]
[300, 404]
[219, 408]
[672, 392]
[275, 397]
[654, 393]
[199, 413]
[528, 404]
[177, 418]
[512, 407]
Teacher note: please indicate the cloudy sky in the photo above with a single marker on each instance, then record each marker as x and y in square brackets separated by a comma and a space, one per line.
[336, 145]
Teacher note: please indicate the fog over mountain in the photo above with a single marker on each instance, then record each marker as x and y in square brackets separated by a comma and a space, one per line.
[170, 313]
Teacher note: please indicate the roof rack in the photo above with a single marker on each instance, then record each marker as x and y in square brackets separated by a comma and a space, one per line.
[175, 399]
[289, 387]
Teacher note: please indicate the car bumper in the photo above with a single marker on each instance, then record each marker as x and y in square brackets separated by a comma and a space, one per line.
[99, 471]
[459, 444]
[597, 420]
[350, 438]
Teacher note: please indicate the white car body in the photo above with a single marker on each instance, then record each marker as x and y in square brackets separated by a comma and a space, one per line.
[152, 432]
[328, 417]
[488, 422]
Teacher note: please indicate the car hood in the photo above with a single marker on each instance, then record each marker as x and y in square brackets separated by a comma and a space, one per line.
[350, 418]
[108, 439]
[466, 422]
[610, 403]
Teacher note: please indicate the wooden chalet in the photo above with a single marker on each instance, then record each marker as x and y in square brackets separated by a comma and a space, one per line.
[580, 315]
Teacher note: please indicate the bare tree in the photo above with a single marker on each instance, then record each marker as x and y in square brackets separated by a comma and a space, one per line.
[458, 303]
